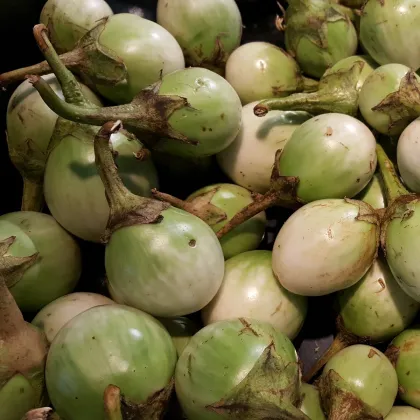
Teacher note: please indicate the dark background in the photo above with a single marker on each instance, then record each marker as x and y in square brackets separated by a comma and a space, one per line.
[17, 18]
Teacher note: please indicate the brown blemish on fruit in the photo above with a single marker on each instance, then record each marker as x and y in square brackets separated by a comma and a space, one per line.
[248, 327]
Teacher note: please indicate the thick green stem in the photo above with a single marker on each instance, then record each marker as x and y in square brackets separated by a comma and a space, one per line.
[125, 208]
[148, 113]
[393, 186]
[69, 85]
[33, 195]
[112, 403]
[337, 93]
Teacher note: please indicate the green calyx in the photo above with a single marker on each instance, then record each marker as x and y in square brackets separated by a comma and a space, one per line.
[337, 92]
[341, 403]
[271, 390]
[126, 208]
[92, 61]
[321, 13]
[117, 407]
[403, 105]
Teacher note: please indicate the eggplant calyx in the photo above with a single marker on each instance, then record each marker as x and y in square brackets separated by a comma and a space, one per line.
[126, 208]
[117, 407]
[96, 63]
[147, 115]
[199, 206]
[343, 339]
[13, 268]
[271, 390]
[44, 413]
[309, 20]
[402, 106]
[337, 92]
[340, 401]
[282, 192]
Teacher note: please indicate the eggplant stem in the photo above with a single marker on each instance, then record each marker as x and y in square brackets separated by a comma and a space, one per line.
[69, 85]
[342, 340]
[112, 403]
[33, 195]
[393, 186]
[199, 206]
[125, 208]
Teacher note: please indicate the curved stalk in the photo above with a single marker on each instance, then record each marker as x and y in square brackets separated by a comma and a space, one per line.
[33, 195]
[199, 206]
[393, 186]
[125, 208]
[148, 113]
[337, 92]
[282, 193]
[112, 403]
[70, 59]
[342, 340]
[69, 85]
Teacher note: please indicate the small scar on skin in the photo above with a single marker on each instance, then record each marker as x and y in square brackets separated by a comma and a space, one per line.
[329, 131]
[192, 243]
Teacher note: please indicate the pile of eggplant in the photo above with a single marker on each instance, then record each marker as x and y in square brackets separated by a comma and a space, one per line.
[208, 186]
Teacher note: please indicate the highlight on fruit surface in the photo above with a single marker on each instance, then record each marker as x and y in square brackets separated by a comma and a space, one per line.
[259, 70]
[68, 21]
[30, 126]
[403, 352]
[311, 402]
[318, 34]
[248, 160]
[53, 258]
[360, 377]
[400, 228]
[181, 329]
[160, 259]
[389, 98]
[192, 112]
[23, 348]
[250, 290]
[114, 340]
[372, 311]
[207, 30]
[385, 28]
[252, 365]
[114, 57]
[368, 65]
[408, 150]
[403, 413]
[344, 232]
[52, 317]
[72, 187]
